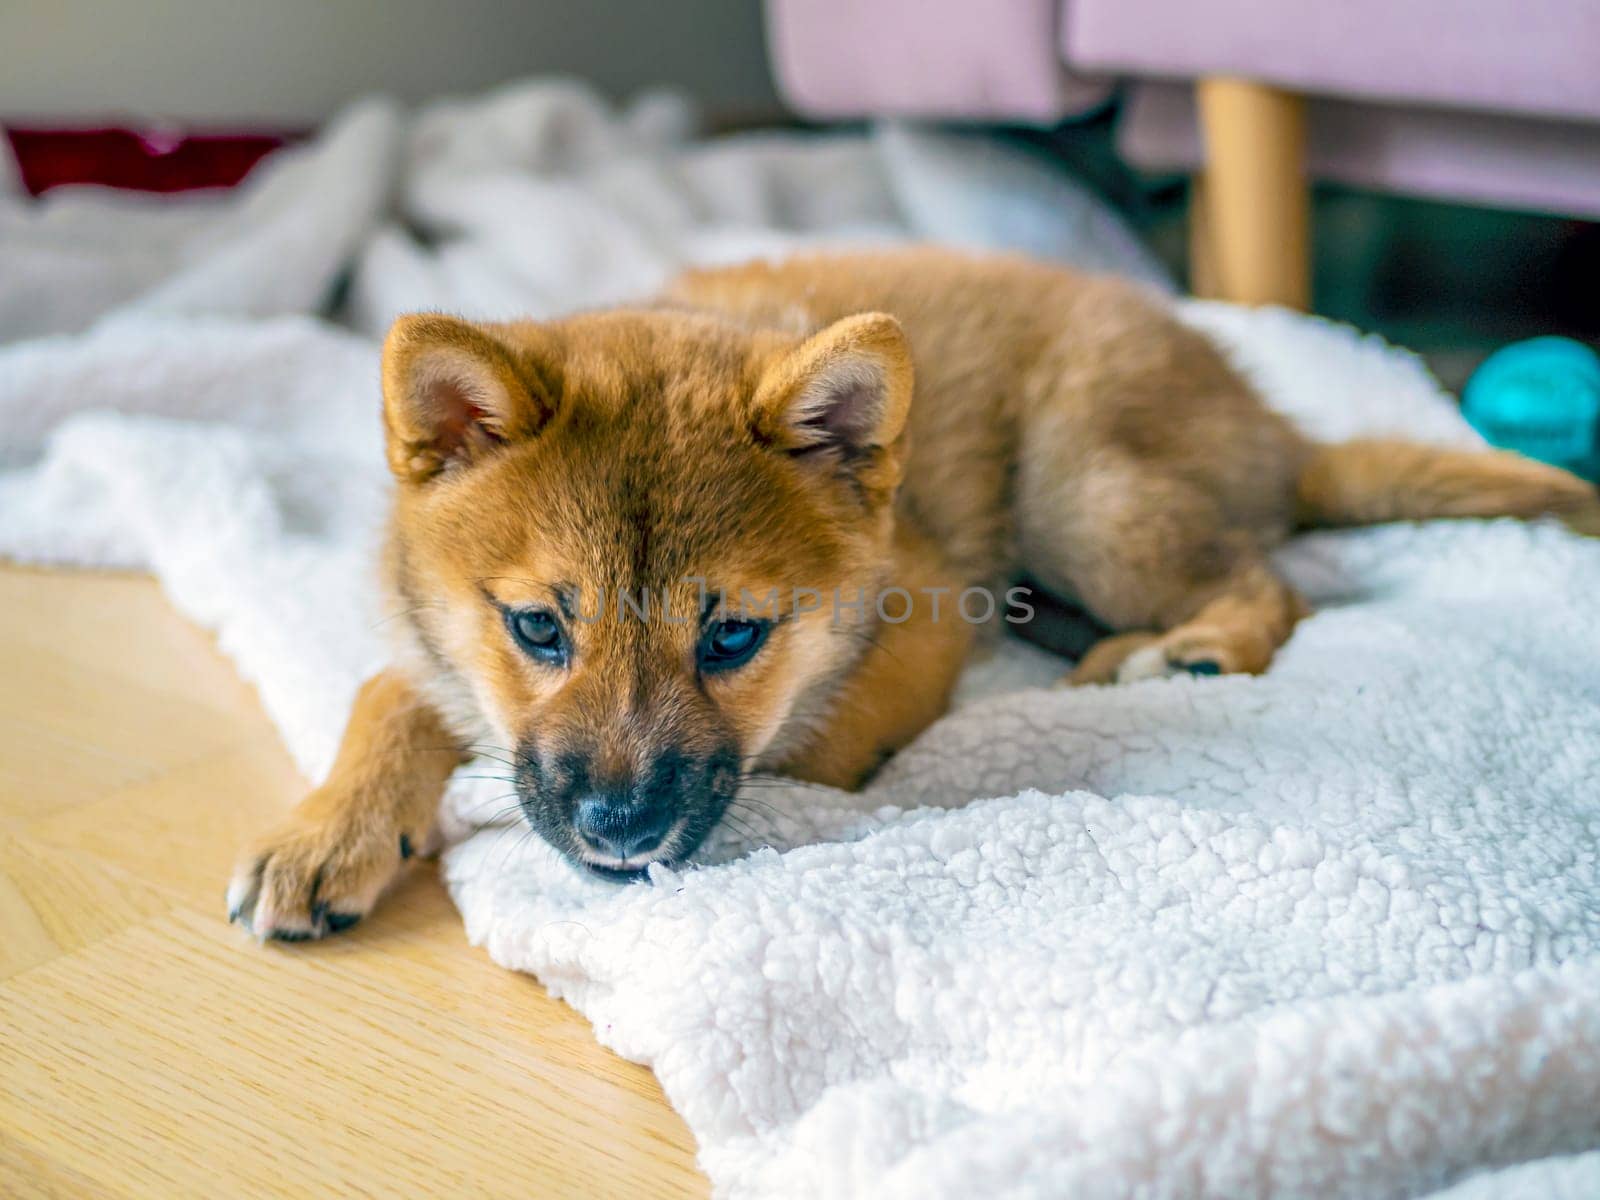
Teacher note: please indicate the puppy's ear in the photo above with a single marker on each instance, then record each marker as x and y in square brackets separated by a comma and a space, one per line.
[452, 393]
[841, 397]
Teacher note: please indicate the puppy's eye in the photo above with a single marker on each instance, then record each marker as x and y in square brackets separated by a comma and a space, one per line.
[729, 644]
[537, 633]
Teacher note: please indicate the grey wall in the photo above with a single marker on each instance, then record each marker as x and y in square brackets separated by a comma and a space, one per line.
[296, 61]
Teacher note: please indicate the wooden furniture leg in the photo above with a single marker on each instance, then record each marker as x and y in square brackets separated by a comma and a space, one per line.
[1202, 246]
[1256, 205]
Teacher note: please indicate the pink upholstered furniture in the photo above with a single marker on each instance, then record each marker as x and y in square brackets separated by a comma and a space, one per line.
[976, 59]
[1489, 101]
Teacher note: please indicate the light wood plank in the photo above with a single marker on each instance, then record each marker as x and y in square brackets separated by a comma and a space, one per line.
[182, 828]
[73, 729]
[148, 1049]
[53, 901]
[172, 1060]
[114, 623]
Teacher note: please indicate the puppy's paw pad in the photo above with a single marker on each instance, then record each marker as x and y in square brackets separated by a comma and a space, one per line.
[1107, 658]
[1163, 662]
[1150, 662]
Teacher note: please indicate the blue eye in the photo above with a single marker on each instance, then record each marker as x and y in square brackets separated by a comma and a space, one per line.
[729, 644]
[537, 633]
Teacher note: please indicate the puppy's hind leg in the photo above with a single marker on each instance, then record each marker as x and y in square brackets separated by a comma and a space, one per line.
[1153, 557]
[1239, 623]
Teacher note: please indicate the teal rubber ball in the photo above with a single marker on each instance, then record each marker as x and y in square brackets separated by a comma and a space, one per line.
[1540, 398]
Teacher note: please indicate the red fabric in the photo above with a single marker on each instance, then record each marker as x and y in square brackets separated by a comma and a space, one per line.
[141, 161]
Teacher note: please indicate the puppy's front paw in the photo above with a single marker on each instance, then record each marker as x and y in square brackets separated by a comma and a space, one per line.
[314, 876]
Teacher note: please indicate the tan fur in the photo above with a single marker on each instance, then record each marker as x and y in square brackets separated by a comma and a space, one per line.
[897, 689]
[997, 415]
[1370, 480]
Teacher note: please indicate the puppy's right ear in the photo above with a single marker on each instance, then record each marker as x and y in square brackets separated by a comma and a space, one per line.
[452, 393]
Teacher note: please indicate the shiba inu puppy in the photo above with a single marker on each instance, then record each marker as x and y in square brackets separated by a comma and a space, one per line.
[647, 551]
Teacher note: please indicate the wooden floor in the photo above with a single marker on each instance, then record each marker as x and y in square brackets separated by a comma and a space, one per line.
[147, 1048]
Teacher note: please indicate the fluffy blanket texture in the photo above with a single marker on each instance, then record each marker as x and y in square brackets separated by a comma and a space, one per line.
[1331, 932]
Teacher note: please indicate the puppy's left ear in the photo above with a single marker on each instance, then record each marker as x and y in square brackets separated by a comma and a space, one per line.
[840, 398]
[453, 393]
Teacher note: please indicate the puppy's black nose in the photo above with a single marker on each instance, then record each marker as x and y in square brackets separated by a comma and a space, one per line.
[611, 825]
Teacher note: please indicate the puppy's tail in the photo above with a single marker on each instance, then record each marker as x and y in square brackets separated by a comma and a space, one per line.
[1372, 480]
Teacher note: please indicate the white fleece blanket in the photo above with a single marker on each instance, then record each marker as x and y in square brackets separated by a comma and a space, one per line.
[1332, 932]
